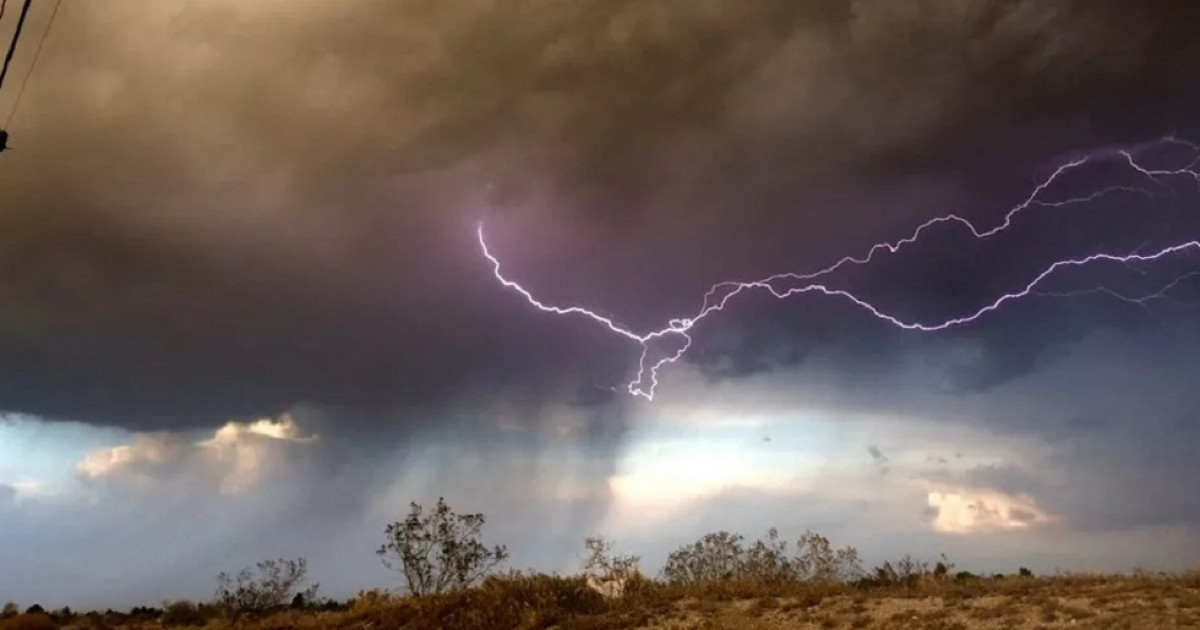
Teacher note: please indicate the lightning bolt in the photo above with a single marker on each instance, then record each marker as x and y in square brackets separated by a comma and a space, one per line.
[1142, 301]
[720, 294]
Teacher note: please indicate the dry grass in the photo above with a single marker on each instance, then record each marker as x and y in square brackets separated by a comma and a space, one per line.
[544, 602]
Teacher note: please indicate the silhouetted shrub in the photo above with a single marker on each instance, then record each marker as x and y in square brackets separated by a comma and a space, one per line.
[183, 613]
[511, 601]
[440, 552]
[722, 556]
[273, 587]
[817, 561]
[767, 560]
[716, 556]
[372, 599]
[605, 572]
[602, 563]
[908, 571]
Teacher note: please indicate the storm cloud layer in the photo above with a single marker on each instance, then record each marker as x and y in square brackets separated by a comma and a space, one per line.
[228, 211]
[287, 192]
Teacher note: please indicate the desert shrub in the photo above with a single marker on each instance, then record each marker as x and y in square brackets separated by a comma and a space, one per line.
[145, 612]
[307, 601]
[767, 560]
[274, 586]
[605, 572]
[90, 620]
[817, 561]
[722, 556]
[29, 621]
[716, 556]
[906, 571]
[943, 568]
[326, 604]
[373, 599]
[440, 552]
[183, 613]
[600, 561]
[514, 600]
[10, 610]
[1023, 572]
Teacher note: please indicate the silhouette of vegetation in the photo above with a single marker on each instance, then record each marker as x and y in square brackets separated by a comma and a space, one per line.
[600, 562]
[816, 560]
[767, 560]
[716, 556]
[275, 584]
[439, 552]
[607, 573]
[187, 613]
[723, 556]
[717, 581]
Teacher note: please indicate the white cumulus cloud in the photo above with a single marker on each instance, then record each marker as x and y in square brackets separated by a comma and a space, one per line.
[236, 458]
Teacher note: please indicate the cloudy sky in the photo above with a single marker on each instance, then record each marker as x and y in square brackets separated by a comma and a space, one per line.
[244, 313]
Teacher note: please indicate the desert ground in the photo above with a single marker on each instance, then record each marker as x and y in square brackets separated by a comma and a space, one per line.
[530, 602]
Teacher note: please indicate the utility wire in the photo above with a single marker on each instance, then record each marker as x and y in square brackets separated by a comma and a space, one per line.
[36, 53]
[12, 46]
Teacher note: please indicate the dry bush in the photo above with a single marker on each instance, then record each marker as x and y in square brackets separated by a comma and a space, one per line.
[767, 560]
[440, 552]
[274, 586]
[372, 600]
[721, 556]
[29, 621]
[524, 601]
[603, 564]
[817, 560]
[716, 556]
[183, 613]
[529, 601]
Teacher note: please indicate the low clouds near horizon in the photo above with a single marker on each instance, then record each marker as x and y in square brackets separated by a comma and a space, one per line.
[243, 313]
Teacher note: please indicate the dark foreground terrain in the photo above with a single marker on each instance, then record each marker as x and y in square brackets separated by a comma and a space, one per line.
[544, 602]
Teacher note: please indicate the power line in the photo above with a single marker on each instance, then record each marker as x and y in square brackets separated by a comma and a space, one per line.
[36, 53]
[12, 46]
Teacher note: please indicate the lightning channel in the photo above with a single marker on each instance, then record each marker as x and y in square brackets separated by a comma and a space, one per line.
[721, 294]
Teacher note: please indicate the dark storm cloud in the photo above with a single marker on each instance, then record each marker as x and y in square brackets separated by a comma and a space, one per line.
[225, 209]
